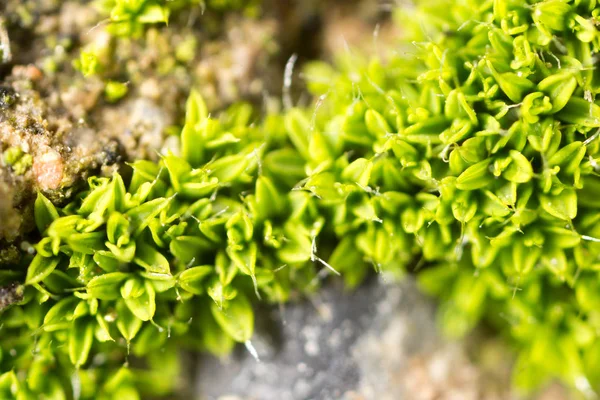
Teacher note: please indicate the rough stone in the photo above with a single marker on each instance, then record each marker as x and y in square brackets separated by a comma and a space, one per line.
[378, 342]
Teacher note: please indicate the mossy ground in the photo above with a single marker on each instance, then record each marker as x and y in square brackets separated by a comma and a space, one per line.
[64, 120]
[59, 127]
[470, 148]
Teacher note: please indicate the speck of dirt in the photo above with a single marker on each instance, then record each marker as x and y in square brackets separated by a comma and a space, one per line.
[10, 294]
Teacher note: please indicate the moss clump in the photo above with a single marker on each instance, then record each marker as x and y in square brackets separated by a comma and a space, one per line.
[128, 18]
[18, 160]
[114, 91]
[474, 149]
[488, 121]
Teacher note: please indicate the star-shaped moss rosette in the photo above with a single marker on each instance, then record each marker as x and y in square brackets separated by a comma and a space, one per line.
[471, 150]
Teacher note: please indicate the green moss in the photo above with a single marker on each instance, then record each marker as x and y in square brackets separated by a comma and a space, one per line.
[9, 255]
[17, 159]
[88, 63]
[473, 147]
[186, 49]
[12, 155]
[114, 91]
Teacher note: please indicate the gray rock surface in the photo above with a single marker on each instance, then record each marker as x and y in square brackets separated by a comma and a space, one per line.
[378, 342]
